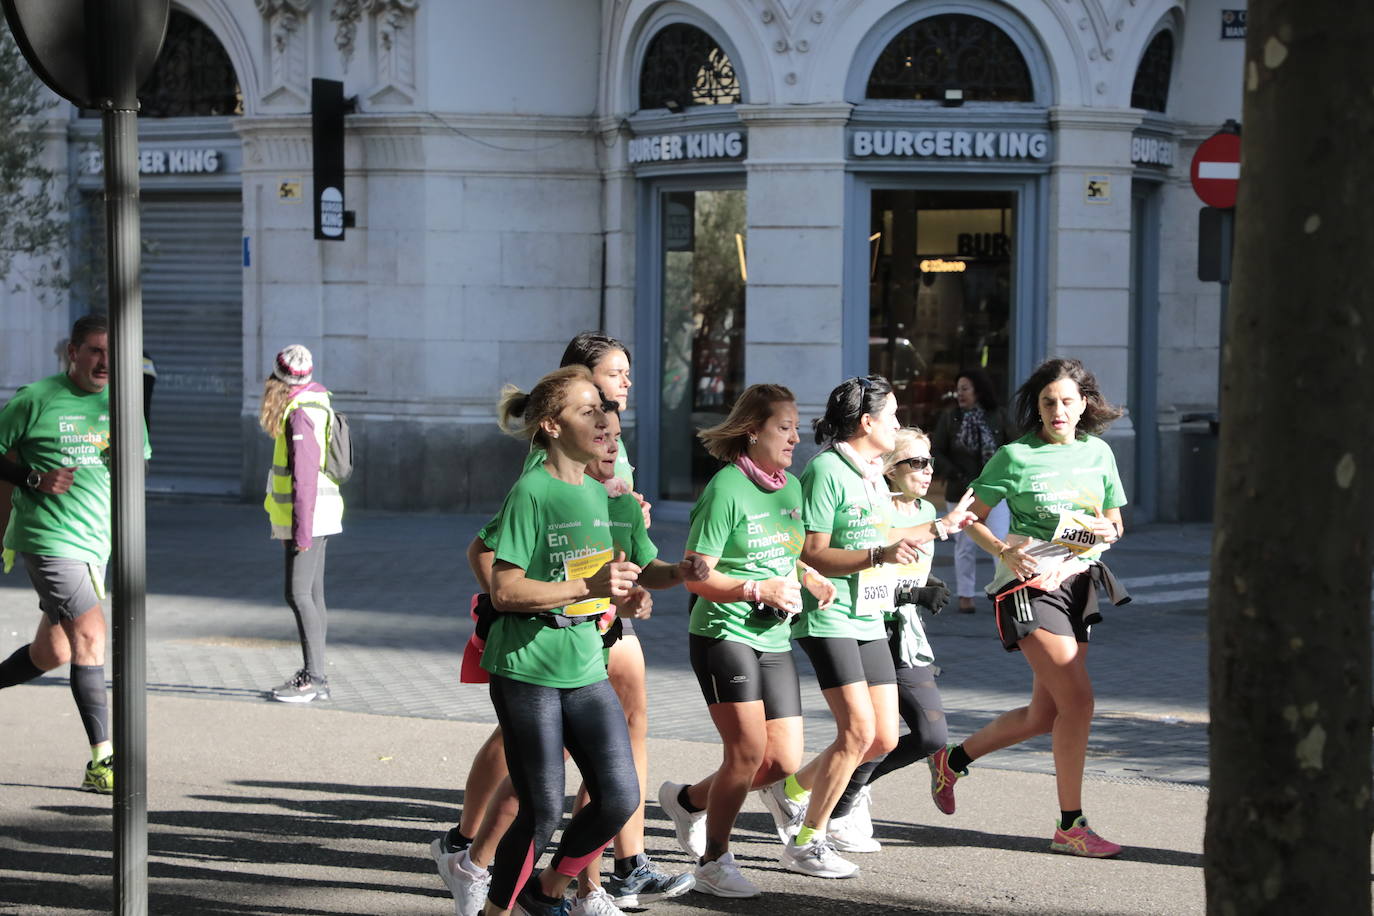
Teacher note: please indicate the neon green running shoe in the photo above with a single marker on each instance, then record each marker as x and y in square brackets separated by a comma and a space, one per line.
[99, 777]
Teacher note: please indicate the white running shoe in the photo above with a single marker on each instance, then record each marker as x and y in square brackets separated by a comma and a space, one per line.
[787, 814]
[846, 834]
[722, 878]
[818, 859]
[466, 881]
[689, 826]
[597, 903]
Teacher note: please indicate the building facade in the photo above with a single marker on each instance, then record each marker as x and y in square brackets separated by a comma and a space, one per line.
[790, 191]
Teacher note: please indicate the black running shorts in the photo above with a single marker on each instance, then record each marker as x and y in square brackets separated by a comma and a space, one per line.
[1069, 610]
[732, 672]
[839, 661]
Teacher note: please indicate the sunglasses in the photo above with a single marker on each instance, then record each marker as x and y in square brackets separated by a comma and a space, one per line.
[916, 464]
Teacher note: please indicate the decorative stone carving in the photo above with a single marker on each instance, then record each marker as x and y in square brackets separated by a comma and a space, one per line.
[287, 65]
[345, 15]
[393, 34]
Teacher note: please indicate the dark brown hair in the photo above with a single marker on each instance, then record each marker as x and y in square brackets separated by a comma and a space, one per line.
[1097, 414]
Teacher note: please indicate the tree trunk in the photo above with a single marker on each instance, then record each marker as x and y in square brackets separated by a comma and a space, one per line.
[1288, 823]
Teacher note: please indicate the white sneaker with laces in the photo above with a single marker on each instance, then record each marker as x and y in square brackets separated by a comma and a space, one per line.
[787, 814]
[722, 878]
[818, 859]
[846, 834]
[596, 903]
[465, 880]
[689, 826]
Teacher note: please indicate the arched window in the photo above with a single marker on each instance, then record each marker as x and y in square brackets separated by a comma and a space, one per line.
[193, 74]
[684, 66]
[951, 51]
[1151, 87]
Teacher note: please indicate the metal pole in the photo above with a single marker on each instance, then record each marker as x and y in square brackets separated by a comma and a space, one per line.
[120, 120]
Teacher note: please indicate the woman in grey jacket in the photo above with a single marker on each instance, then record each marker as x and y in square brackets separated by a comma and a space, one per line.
[965, 437]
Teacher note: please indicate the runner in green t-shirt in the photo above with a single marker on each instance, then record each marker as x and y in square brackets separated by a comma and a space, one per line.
[57, 431]
[909, 469]
[1065, 495]
[850, 538]
[462, 855]
[555, 571]
[747, 527]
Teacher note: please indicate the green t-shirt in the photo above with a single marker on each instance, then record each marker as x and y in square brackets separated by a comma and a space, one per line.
[628, 531]
[835, 501]
[756, 534]
[1039, 480]
[543, 523]
[921, 513]
[53, 424]
[623, 469]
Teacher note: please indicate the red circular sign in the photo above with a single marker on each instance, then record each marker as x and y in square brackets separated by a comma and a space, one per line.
[1216, 170]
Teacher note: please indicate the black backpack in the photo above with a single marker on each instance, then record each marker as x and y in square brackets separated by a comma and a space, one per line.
[338, 448]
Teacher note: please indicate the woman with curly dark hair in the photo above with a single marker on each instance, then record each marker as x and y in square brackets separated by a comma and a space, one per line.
[1061, 484]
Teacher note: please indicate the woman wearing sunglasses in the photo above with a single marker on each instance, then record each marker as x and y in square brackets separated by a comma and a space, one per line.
[909, 469]
[1065, 496]
[850, 538]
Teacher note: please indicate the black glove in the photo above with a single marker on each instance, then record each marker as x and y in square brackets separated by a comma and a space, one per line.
[933, 596]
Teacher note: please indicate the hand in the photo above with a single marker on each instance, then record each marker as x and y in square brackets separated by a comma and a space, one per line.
[637, 605]
[693, 568]
[1104, 527]
[782, 593]
[820, 588]
[960, 517]
[57, 481]
[644, 507]
[902, 552]
[1022, 565]
[614, 579]
[933, 596]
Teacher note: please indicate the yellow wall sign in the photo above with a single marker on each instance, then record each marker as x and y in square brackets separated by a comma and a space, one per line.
[290, 190]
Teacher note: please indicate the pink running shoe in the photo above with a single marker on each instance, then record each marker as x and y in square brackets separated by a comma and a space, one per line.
[1079, 840]
[942, 779]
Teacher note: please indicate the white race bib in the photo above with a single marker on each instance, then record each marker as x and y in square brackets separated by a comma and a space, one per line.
[877, 587]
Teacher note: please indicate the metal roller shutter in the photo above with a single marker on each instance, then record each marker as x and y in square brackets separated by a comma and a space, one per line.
[193, 330]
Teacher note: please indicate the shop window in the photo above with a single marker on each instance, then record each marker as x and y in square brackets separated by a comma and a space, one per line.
[704, 280]
[193, 74]
[941, 270]
[1151, 87]
[683, 67]
[951, 51]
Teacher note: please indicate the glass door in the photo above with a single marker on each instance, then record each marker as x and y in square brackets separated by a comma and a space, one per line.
[703, 278]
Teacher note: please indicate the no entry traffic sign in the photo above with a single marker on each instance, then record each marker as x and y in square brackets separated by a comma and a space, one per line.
[1216, 170]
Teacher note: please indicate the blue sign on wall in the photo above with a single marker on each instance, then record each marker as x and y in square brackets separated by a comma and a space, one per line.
[1233, 24]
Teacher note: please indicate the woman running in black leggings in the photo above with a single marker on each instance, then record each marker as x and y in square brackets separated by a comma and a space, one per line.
[553, 576]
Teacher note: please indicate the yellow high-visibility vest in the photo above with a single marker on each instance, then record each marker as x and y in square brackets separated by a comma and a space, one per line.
[280, 492]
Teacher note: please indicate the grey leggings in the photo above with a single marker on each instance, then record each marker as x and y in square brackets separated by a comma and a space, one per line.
[305, 596]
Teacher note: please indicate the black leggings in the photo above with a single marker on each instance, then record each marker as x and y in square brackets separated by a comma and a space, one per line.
[538, 722]
[918, 700]
[305, 597]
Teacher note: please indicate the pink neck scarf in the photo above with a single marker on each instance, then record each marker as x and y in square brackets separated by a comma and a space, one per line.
[765, 481]
[871, 470]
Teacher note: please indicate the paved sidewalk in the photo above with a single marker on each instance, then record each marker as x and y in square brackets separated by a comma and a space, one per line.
[270, 809]
[260, 808]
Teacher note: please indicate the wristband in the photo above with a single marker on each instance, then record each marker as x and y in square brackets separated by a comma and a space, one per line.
[941, 530]
[751, 590]
[875, 557]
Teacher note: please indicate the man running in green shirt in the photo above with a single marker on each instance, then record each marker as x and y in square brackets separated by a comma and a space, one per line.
[58, 431]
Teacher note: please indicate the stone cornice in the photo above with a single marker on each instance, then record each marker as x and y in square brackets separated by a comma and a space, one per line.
[1109, 119]
[825, 114]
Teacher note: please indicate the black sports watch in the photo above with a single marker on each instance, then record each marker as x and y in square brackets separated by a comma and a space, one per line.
[33, 480]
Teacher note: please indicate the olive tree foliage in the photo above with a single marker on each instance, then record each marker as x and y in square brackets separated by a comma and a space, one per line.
[33, 224]
[1289, 816]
